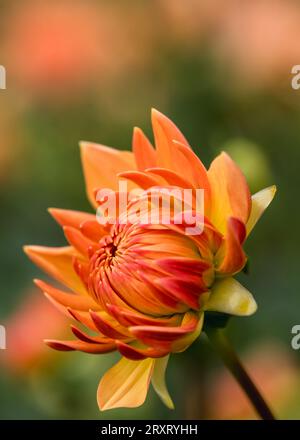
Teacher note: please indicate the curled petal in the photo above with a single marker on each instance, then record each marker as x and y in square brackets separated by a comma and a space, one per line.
[140, 178]
[164, 337]
[231, 257]
[86, 347]
[136, 354]
[128, 318]
[187, 289]
[109, 329]
[229, 296]
[260, 202]
[125, 384]
[84, 318]
[159, 381]
[180, 265]
[82, 336]
[171, 177]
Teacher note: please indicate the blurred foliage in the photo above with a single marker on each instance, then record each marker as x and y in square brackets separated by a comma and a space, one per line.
[180, 74]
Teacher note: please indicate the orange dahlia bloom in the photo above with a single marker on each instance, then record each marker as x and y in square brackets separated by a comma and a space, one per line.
[143, 289]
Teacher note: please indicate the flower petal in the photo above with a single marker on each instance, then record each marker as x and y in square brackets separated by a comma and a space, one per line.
[260, 201]
[137, 354]
[57, 262]
[76, 239]
[110, 329]
[196, 171]
[231, 257]
[171, 177]
[165, 132]
[144, 153]
[101, 165]
[230, 192]
[229, 296]
[140, 178]
[66, 217]
[77, 302]
[169, 337]
[92, 348]
[159, 381]
[125, 384]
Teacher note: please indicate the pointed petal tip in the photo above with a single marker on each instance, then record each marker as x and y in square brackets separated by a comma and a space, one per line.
[156, 114]
[54, 212]
[84, 144]
[30, 249]
[136, 130]
[38, 283]
[260, 202]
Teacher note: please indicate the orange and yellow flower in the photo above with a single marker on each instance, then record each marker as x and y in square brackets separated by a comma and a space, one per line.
[144, 289]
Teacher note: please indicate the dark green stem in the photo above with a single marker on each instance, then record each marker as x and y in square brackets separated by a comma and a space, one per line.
[225, 350]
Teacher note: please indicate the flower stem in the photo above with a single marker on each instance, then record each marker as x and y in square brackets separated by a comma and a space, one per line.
[228, 355]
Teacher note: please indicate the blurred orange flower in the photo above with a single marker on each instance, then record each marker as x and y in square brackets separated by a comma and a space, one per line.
[26, 329]
[257, 40]
[260, 39]
[55, 48]
[275, 373]
[142, 289]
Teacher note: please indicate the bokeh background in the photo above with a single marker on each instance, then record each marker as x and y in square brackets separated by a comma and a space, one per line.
[91, 70]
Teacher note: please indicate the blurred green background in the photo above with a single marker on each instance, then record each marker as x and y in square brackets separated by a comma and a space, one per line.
[91, 70]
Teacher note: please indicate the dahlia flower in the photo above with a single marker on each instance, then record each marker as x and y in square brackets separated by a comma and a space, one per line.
[145, 289]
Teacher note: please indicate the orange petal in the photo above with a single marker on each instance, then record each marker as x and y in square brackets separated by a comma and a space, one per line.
[186, 289]
[101, 165]
[66, 217]
[79, 241]
[180, 265]
[86, 347]
[171, 177]
[93, 230]
[128, 318]
[77, 302]
[164, 337]
[143, 180]
[165, 132]
[57, 262]
[109, 329]
[125, 384]
[84, 318]
[230, 192]
[145, 155]
[82, 336]
[231, 257]
[137, 354]
[195, 170]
